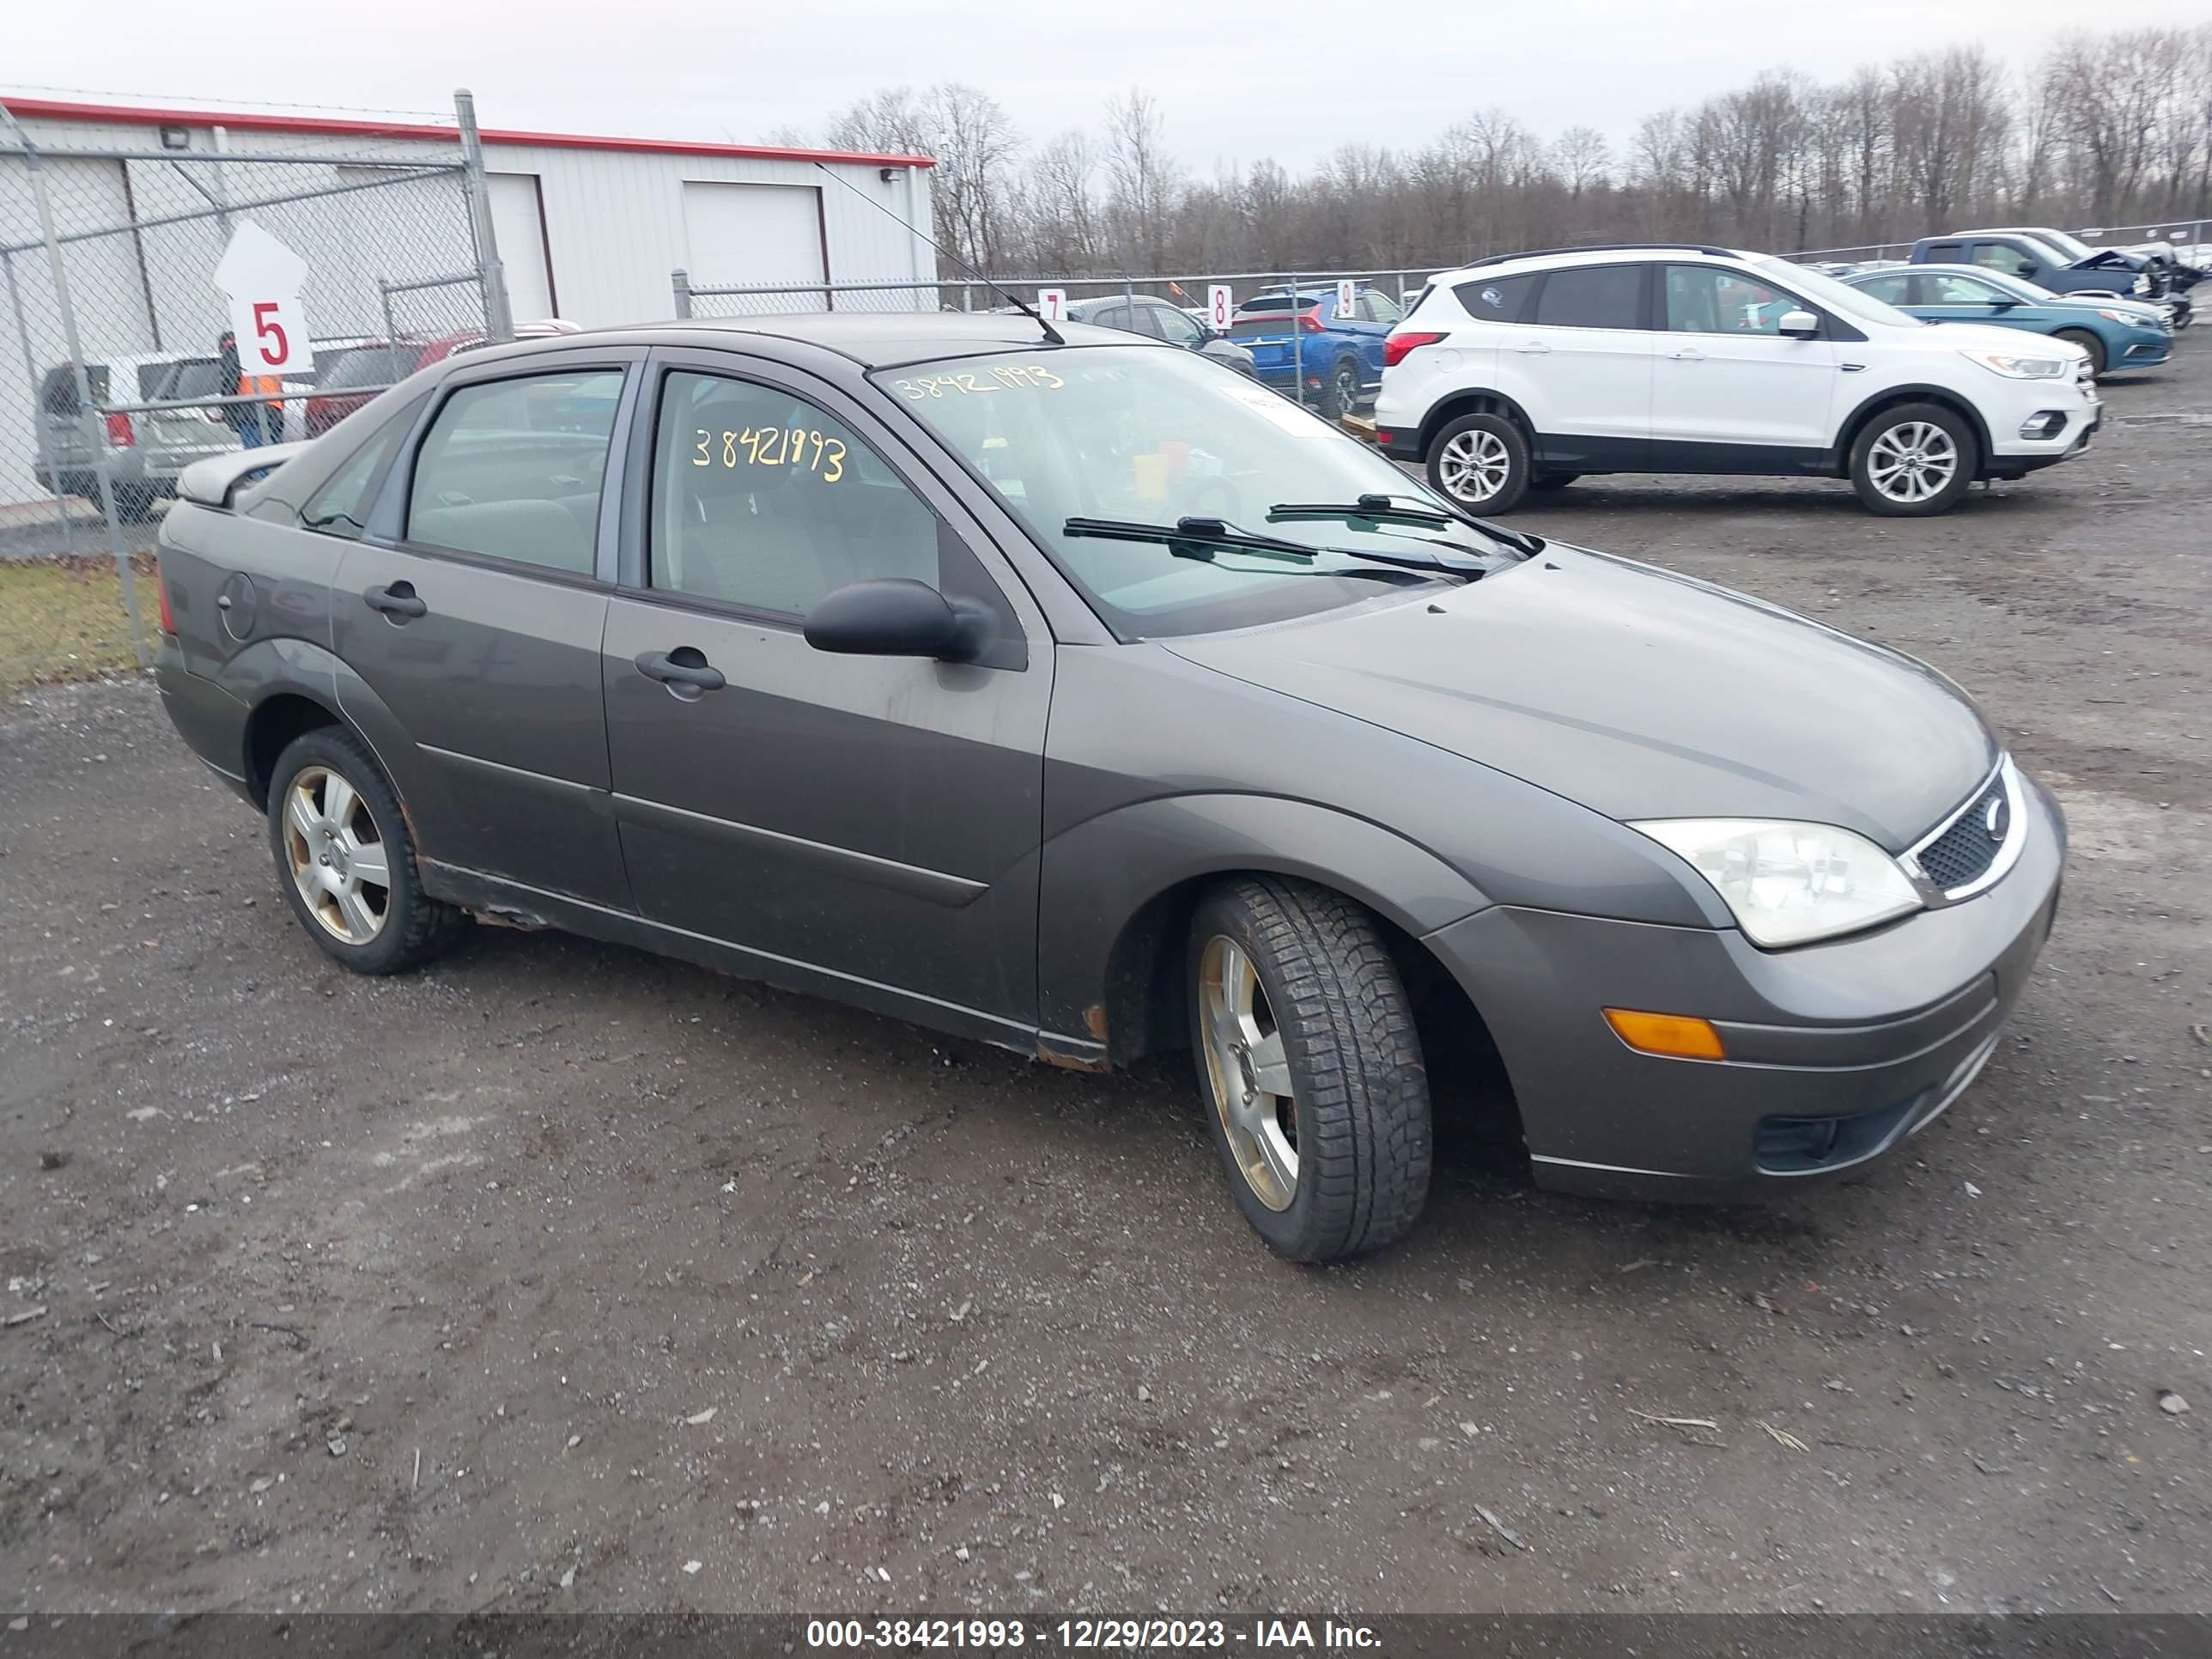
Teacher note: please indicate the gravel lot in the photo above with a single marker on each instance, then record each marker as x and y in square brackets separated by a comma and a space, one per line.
[559, 1276]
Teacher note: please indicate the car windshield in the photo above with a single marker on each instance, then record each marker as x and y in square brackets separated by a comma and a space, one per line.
[1836, 296]
[1139, 436]
[2072, 247]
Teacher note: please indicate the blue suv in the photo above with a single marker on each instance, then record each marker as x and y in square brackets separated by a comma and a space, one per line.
[1338, 352]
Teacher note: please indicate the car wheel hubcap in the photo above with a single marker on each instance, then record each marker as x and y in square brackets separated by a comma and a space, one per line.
[1474, 465]
[1347, 389]
[338, 855]
[1912, 461]
[1248, 1074]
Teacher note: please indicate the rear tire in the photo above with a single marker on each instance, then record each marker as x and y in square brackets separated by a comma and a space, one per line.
[2088, 342]
[1340, 392]
[1913, 461]
[1310, 1067]
[1480, 461]
[345, 858]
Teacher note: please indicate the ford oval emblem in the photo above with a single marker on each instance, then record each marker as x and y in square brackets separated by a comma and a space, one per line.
[1998, 819]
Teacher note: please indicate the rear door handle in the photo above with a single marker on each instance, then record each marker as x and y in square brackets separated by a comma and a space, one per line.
[683, 666]
[1534, 348]
[1688, 355]
[397, 599]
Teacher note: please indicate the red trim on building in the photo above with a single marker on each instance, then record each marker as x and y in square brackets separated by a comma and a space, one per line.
[52, 110]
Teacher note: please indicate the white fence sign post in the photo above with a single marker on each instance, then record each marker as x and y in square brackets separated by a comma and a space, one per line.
[1052, 304]
[1220, 306]
[1347, 296]
[261, 278]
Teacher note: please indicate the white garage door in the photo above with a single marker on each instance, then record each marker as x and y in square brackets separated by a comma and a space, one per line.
[763, 233]
[520, 230]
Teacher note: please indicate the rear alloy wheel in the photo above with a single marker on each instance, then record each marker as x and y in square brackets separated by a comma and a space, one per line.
[1317, 1100]
[1340, 392]
[1480, 461]
[346, 861]
[1914, 460]
[2088, 342]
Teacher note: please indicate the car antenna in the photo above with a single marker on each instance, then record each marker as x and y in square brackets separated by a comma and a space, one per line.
[1050, 332]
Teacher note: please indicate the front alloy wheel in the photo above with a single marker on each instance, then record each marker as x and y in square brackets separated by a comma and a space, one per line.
[1482, 462]
[1913, 461]
[1318, 1099]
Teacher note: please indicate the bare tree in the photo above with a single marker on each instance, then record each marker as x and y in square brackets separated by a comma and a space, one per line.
[1143, 178]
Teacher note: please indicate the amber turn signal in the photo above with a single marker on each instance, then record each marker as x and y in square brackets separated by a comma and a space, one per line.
[1678, 1036]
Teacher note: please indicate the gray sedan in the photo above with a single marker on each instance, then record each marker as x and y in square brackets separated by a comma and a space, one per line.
[1080, 695]
[1140, 314]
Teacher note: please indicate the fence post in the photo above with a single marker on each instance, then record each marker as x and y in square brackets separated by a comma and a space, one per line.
[103, 462]
[38, 407]
[1297, 346]
[491, 275]
[681, 279]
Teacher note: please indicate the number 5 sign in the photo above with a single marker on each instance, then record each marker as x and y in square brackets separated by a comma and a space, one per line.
[261, 279]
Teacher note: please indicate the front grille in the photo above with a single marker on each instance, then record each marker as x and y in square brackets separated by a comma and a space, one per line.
[1963, 852]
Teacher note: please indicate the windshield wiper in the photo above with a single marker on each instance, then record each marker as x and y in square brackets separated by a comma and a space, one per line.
[1387, 509]
[1193, 538]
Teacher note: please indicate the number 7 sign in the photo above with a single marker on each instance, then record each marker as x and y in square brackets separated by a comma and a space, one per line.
[261, 279]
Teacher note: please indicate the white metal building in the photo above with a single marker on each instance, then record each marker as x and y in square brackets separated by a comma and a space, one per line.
[588, 229]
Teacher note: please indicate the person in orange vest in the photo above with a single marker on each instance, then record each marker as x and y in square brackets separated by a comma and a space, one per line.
[256, 423]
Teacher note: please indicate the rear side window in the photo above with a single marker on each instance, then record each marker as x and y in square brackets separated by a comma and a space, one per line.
[513, 469]
[1891, 290]
[199, 377]
[1378, 308]
[1586, 296]
[341, 506]
[366, 366]
[1496, 299]
[58, 391]
[1945, 253]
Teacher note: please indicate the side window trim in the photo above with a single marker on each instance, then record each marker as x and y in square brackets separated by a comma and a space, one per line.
[397, 432]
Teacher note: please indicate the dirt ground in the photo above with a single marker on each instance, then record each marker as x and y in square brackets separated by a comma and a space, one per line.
[558, 1276]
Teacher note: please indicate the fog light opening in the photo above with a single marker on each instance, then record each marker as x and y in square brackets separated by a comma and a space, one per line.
[2044, 423]
[1675, 1036]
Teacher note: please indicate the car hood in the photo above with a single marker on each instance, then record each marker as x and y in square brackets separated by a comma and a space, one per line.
[1988, 337]
[1640, 694]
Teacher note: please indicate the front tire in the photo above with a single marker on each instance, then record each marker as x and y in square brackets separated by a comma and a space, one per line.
[345, 858]
[1914, 461]
[2088, 342]
[1480, 461]
[1316, 1097]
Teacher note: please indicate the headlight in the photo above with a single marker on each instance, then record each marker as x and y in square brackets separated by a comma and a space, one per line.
[2019, 368]
[2115, 316]
[1787, 883]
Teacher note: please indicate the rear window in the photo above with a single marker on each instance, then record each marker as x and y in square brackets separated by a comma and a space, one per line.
[1266, 319]
[1592, 296]
[367, 365]
[1495, 299]
[58, 391]
[199, 377]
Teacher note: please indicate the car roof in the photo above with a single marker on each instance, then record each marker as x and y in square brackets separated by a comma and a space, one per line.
[872, 339]
[1515, 264]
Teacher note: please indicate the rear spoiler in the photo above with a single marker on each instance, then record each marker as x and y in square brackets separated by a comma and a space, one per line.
[212, 482]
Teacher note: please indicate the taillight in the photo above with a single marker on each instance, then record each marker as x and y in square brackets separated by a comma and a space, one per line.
[162, 594]
[1395, 348]
[1312, 323]
[120, 435]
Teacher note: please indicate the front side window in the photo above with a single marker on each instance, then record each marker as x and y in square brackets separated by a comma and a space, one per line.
[1592, 296]
[1949, 290]
[513, 469]
[1378, 308]
[1177, 329]
[1150, 438]
[1717, 300]
[760, 499]
[1496, 299]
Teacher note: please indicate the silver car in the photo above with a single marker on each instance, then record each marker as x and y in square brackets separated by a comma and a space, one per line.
[146, 450]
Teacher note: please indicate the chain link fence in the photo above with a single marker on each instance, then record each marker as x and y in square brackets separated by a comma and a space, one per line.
[116, 376]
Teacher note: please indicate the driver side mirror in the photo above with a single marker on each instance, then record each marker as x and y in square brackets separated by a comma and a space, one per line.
[1798, 325]
[895, 617]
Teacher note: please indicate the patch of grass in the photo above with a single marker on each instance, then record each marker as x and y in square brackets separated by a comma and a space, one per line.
[63, 619]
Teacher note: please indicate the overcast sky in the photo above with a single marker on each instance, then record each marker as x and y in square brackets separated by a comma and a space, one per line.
[1237, 79]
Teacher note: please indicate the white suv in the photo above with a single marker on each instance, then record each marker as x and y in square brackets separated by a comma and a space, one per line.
[1526, 371]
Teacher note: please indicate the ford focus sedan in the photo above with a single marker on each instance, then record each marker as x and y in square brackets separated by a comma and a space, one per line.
[1071, 692]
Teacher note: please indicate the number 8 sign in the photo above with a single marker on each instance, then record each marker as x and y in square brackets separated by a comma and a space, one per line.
[1220, 306]
[261, 279]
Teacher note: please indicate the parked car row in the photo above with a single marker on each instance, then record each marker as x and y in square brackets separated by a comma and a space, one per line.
[1526, 371]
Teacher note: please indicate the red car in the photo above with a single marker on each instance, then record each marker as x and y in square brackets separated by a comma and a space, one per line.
[345, 380]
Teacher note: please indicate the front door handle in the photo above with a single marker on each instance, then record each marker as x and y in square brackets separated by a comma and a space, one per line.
[682, 667]
[1534, 348]
[1688, 355]
[396, 600]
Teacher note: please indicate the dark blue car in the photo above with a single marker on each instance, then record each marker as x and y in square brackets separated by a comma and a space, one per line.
[1334, 355]
[2117, 334]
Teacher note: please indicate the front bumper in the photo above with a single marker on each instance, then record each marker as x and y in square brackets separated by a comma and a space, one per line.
[1837, 1053]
